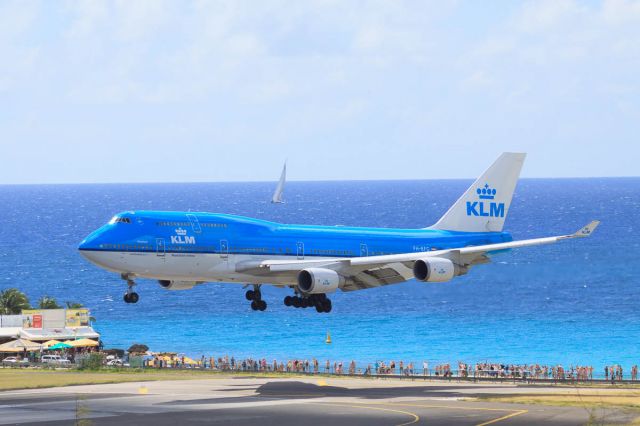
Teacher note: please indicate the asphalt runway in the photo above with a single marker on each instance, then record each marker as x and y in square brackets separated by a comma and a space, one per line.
[287, 401]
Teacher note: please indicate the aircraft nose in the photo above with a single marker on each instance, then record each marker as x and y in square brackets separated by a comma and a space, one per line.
[89, 248]
[91, 242]
[86, 244]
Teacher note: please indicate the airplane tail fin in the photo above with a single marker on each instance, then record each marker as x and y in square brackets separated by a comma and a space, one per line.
[484, 206]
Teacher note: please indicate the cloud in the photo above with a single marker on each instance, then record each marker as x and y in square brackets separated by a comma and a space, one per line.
[18, 56]
[350, 77]
[156, 51]
[559, 39]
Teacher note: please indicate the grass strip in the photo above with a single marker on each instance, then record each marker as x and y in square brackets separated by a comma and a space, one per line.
[587, 398]
[12, 379]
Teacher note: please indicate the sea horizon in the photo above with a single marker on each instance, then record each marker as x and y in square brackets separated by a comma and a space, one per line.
[289, 180]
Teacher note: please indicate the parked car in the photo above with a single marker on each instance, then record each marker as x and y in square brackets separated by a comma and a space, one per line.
[116, 362]
[15, 361]
[55, 360]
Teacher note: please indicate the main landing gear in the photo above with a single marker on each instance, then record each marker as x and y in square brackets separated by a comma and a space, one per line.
[130, 296]
[320, 301]
[255, 296]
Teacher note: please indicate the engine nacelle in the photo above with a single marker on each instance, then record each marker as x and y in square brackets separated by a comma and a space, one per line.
[319, 280]
[176, 285]
[434, 270]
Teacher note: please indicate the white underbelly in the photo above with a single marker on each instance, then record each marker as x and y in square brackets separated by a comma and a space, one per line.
[206, 267]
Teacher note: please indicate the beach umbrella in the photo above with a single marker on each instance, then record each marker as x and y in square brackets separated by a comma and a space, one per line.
[82, 343]
[59, 345]
[50, 343]
[20, 345]
[188, 360]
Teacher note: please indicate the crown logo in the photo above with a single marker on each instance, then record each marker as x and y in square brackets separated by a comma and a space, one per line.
[486, 193]
[181, 231]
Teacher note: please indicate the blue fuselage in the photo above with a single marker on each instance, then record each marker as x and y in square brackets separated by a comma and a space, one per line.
[182, 232]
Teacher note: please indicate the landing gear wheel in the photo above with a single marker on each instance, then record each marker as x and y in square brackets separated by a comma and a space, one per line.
[326, 305]
[296, 302]
[130, 296]
[319, 309]
[257, 296]
[287, 300]
[249, 295]
[262, 305]
[254, 305]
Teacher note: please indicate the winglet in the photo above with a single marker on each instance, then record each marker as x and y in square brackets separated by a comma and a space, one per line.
[587, 230]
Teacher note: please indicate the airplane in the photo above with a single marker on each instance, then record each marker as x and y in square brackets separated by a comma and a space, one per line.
[184, 249]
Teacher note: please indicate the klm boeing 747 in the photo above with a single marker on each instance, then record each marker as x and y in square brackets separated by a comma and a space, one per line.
[183, 249]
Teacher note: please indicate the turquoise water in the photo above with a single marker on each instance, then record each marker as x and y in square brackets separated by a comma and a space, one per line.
[572, 303]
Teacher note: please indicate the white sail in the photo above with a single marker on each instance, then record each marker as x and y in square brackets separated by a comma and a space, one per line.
[277, 195]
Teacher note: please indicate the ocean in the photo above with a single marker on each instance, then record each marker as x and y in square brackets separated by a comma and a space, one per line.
[571, 303]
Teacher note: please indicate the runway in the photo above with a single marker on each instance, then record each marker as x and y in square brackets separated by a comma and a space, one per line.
[285, 401]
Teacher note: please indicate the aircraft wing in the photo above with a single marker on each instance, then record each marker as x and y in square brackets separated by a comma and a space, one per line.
[374, 271]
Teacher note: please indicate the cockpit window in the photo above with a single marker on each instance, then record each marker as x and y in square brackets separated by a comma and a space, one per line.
[118, 219]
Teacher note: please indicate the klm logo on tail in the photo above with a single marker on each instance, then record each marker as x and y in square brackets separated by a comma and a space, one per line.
[485, 208]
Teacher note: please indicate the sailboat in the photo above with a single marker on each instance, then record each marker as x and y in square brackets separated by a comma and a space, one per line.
[277, 195]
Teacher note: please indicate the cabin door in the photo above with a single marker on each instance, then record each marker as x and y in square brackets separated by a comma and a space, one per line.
[160, 247]
[364, 251]
[300, 250]
[195, 225]
[224, 249]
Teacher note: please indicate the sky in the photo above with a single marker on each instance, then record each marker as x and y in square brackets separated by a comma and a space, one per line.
[183, 91]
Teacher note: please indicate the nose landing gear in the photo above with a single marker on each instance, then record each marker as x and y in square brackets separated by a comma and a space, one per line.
[130, 296]
[255, 296]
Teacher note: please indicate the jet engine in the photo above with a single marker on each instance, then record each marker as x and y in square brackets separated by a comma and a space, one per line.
[319, 280]
[434, 270]
[176, 285]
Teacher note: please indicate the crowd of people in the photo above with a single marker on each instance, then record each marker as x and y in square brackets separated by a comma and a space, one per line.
[615, 372]
[533, 371]
[382, 368]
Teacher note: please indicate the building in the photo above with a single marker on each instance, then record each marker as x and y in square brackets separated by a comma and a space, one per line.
[41, 325]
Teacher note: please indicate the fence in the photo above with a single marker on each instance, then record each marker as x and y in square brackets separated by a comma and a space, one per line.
[530, 374]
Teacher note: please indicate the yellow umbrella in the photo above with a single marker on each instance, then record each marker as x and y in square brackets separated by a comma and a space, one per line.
[82, 343]
[188, 360]
[20, 345]
[50, 343]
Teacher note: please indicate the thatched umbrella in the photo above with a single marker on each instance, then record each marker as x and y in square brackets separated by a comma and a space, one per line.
[82, 343]
[20, 345]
